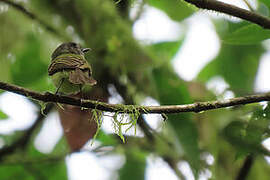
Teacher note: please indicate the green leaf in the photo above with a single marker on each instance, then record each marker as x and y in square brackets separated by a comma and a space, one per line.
[22, 166]
[235, 133]
[61, 147]
[238, 65]
[247, 136]
[15, 172]
[5, 67]
[43, 84]
[166, 50]
[3, 115]
[56, 168]
[171, 89]
[106, 139]
[244, 137]
[249, 34]
[33, 165]
[29, 67]
[175, 9]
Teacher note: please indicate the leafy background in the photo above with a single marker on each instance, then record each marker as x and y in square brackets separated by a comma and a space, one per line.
[136, 71]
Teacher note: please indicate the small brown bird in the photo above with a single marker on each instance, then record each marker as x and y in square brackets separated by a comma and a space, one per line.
[69, 69]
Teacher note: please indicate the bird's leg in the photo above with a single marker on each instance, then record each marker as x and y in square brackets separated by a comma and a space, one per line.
[60, 84]
[81, 93]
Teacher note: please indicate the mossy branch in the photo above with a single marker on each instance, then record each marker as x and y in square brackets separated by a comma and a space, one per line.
[195, 107]
[232, 10]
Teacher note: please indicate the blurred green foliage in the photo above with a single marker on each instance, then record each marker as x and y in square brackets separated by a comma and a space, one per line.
[243, 35]
[267, 4]
[231, 63]
[135, 68]
[173, 7]
[135, 163]
[3, 115]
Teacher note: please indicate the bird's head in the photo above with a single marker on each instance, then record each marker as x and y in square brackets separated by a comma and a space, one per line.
[69, 48]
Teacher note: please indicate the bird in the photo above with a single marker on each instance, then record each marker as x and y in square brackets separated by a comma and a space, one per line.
[72, 75]
[69, 69]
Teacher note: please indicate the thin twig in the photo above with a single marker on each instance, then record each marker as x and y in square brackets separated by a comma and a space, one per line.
[139, 12]
[248, 5]
[245, 169]
[32, 16]
[173, 164]
[195, 107]
[232, 10]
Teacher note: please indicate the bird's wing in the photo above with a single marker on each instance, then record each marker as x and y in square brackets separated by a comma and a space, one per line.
[68, 62]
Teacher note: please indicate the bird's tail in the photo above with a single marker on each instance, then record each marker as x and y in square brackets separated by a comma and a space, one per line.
[78, 76]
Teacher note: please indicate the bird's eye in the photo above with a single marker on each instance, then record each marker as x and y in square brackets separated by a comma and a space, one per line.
[73, 44]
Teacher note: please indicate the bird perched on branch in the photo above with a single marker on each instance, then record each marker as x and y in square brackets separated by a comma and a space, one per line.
[69, 69]
[71, 74]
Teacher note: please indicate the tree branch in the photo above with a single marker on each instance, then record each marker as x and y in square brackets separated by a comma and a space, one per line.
[32, 16]
[245, 169]
[233, 11]
[195, 107]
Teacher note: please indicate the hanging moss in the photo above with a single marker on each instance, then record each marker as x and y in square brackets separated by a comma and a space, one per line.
[119, 118]
[97, 115]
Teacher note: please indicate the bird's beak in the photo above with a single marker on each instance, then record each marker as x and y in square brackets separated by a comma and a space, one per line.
[85, 50]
